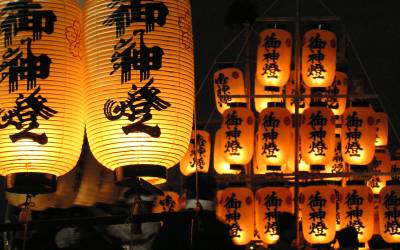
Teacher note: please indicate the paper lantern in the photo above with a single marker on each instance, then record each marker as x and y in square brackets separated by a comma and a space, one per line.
[274, 138]
[219, 208]
[258, 170]
[221, 166]
[270, 202]
[290, 89]
[318, 136]
[290, 165]
[261, 103]
[339, 87]
[41, 93]
[238, 134]
[389, 212]
[339, 197]
[319, 58]
[337, 165]
[169, 202]
[358, 135]
[319, 212]
[274, 55]
[140, 85]
[357, 209]
[381, 129]
[228, 81]
[238, 213]
[198, 154]
[380, 163]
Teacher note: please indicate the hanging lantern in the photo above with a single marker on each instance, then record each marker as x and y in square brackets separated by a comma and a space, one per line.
[261, 103]
[389, 212]
[290, 89]
[169, 202]
[337, 165]
[238, 131]
[357, 209]
[319, 58]
[198, 154]
[318, 210]
[381, 129]
[221, 166]
[270, 202]
[318, 136]
[358, 135]
[228, 81]
[339, 197]
[219, 209]
[339, 87]
[274, 55]
[381, 163]
[238, 213]
[41, 114]
[290, 165]
[140, 85]
[274, 138]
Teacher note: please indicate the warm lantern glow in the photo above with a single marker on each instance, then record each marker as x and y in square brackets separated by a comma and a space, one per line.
[219, 208]
[41, 89]
[221, 166]
[140, 87]
[337, 165]
[339, 87]
[169, 202]
[339, 197]
[381, 129]
[290, 89]
[381, 163]
[318, 136]
[290, 165]
[238, 135]
[274, 55]
[261, 103]
[319, 58]
[389, 211]
[198, 154]
[358, 135]
[238, 213]
[270, 202]
[318, 214]
[274, 138]
[228, 81]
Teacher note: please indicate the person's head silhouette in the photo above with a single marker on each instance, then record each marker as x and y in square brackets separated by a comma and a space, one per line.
[348, 238]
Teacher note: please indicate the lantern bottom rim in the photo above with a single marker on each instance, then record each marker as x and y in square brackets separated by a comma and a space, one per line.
[129, 174]
[31, 183]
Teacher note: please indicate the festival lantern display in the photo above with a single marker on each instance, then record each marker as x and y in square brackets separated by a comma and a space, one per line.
[261, 103]
[337, 165]
[290, 164]
[257, 170]
[318, 136]
[139, 86]
[270, 202]
[221, 166]
[274, 138]
[41, 93]
[197, 158]
[290, 89]
[238, 134]
[357, 209]
[381, 163]
[381, 129]
[358, 134]
[339, 87]
[389, 212]
[319, 58]
[238, 213]
[274, 54]
[228, 81]
[169, 203]
[318, 214]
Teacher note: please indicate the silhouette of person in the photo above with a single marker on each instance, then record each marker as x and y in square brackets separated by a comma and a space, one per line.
[196, 227]
[286, 229]
[377, 242]
[348, 238]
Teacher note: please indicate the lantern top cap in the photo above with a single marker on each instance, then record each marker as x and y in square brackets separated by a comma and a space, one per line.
[358, 103]
[320, 26]
[276, 105]
[227, 65]
[280, 26]
[272, 89]
[393, 183]
[237, 105]
[355, 183]
[318, 104]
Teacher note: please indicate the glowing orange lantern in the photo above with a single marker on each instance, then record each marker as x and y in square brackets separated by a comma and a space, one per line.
[389, 211]
[140, 85]
[357, 209]
[238, 213]
[274, 138]
[41, 89]
[221, 166]
[381, 163]
[261, 103]
[290, 89]
[290, 165]
[228, 81]
[169, 202]
[319, 213]
[358, 135]
[274, 55]
[337, 165]
[339, 87]
[319, 58]
[198, 154]
[270, 202]
[381, 129]
[318, 136]
[238, 134]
